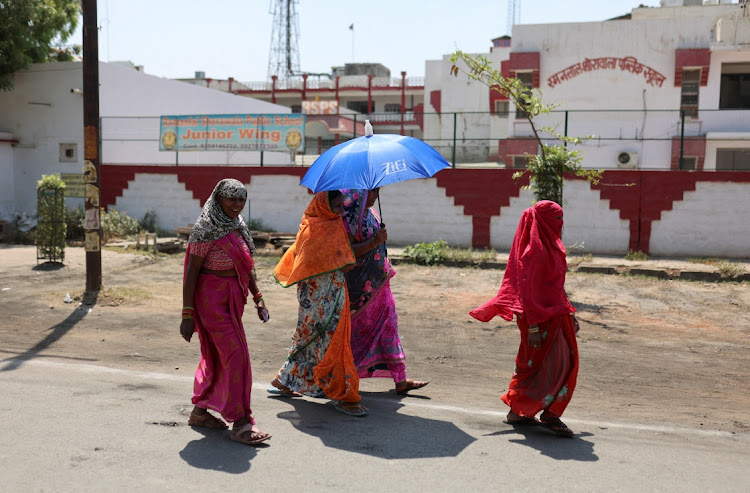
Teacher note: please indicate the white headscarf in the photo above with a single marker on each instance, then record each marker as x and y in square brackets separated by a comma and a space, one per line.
[213, 224]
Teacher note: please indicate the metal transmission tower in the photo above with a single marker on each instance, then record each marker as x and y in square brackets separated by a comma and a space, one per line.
[283, 59]
[514, 15]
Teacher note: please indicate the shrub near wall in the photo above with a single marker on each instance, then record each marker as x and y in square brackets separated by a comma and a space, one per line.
[51, 226]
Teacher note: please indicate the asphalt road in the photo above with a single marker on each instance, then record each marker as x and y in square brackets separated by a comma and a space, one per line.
[68, 426]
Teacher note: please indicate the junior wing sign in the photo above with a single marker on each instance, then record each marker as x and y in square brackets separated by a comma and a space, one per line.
[249, 132]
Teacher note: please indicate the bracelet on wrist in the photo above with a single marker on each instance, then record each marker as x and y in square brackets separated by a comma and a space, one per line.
[533, 330]
[184, 317]
[257, 297]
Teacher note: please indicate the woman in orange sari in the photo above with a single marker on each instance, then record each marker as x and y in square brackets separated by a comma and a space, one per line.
[320, 361]
[533, 290]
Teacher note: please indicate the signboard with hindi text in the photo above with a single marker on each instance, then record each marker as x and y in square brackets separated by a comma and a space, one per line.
[249, 132]
[73, 184]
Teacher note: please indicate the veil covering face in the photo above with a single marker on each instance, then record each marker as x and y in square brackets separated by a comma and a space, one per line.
[534, 280]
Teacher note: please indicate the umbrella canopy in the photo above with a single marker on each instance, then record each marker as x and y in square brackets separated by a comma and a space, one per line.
[372, 161]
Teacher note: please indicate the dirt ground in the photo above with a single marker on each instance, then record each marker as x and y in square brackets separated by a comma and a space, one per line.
[673, 353]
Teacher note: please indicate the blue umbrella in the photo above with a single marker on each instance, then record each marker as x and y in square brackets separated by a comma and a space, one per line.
[372, 161]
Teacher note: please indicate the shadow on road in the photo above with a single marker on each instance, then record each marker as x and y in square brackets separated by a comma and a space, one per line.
[215, 451]
[382, 433]
[57, 331]
[552, 446]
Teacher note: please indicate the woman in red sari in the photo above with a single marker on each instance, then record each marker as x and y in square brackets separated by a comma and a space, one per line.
[218, 276]
[533, 290]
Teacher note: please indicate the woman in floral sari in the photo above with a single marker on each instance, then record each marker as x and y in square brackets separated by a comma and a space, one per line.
[218, 275]
[320, 360]
[533, 290]
[376, 344]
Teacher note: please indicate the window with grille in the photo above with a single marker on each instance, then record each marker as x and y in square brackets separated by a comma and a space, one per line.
[691, 79]
[392, 108]
[502, 108]
[527, 81]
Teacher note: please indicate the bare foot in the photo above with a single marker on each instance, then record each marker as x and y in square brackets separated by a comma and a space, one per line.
[405, 386]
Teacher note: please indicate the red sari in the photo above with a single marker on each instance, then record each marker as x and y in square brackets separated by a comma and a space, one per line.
[533, 290]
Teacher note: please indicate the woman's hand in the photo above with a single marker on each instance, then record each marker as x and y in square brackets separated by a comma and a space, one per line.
[380, 237]
[263, 314]
[535, 339]
[187, 327]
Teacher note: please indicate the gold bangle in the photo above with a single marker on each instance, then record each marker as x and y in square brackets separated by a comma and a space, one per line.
[533, 331]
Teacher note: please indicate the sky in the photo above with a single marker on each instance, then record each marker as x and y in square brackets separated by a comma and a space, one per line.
[232, 38]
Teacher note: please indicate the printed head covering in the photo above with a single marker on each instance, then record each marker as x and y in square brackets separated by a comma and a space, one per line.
[213, 224]
[373, 268]
[534, 280]
[321, 245]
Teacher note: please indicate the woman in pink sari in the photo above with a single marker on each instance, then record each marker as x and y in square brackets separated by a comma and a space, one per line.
[218, 276]
[376, 344]
[533, 290]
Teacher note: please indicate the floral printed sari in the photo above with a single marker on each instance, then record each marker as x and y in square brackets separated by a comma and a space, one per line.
[320, 358]
[376, 345]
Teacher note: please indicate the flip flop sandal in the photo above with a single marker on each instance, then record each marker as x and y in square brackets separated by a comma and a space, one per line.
[556, 426]
[282, 393]
[207, 420]
[349, 412]
[256, 437]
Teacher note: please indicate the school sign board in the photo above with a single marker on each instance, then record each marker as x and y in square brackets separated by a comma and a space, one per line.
[249, 132]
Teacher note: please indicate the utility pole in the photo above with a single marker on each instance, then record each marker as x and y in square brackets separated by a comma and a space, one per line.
[91, 168]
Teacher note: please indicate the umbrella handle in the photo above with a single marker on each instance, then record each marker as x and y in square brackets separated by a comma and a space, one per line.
[380, 210]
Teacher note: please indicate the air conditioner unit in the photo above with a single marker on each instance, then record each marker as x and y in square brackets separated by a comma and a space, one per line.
[627, 160]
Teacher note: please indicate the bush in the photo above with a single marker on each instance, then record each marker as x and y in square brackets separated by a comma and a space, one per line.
[74, 224]
[149, 222]
[257, 225]
[118, 225]
[427, 253]
[51, 226]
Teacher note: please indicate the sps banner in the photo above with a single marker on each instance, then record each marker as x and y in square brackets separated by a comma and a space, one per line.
[254, 132]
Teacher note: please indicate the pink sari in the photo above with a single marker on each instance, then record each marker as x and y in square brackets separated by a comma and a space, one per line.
[224, 378]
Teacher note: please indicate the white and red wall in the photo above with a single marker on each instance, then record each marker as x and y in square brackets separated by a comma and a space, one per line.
[658, 212]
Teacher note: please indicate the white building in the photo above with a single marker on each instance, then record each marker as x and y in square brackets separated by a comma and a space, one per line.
[626, 81]
[41, 128]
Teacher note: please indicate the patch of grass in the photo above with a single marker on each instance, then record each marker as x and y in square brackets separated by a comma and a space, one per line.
[725, 267]
[636, 255]
[729, 269]
[704, 260]
[438, 252]
[470, 255]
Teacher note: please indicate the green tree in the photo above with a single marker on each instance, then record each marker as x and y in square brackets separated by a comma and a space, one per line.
[547, 168]
[34, 31]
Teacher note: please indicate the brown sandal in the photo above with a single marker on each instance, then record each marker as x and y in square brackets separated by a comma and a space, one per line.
[206, 420]
[556, 426]
[256, 436]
